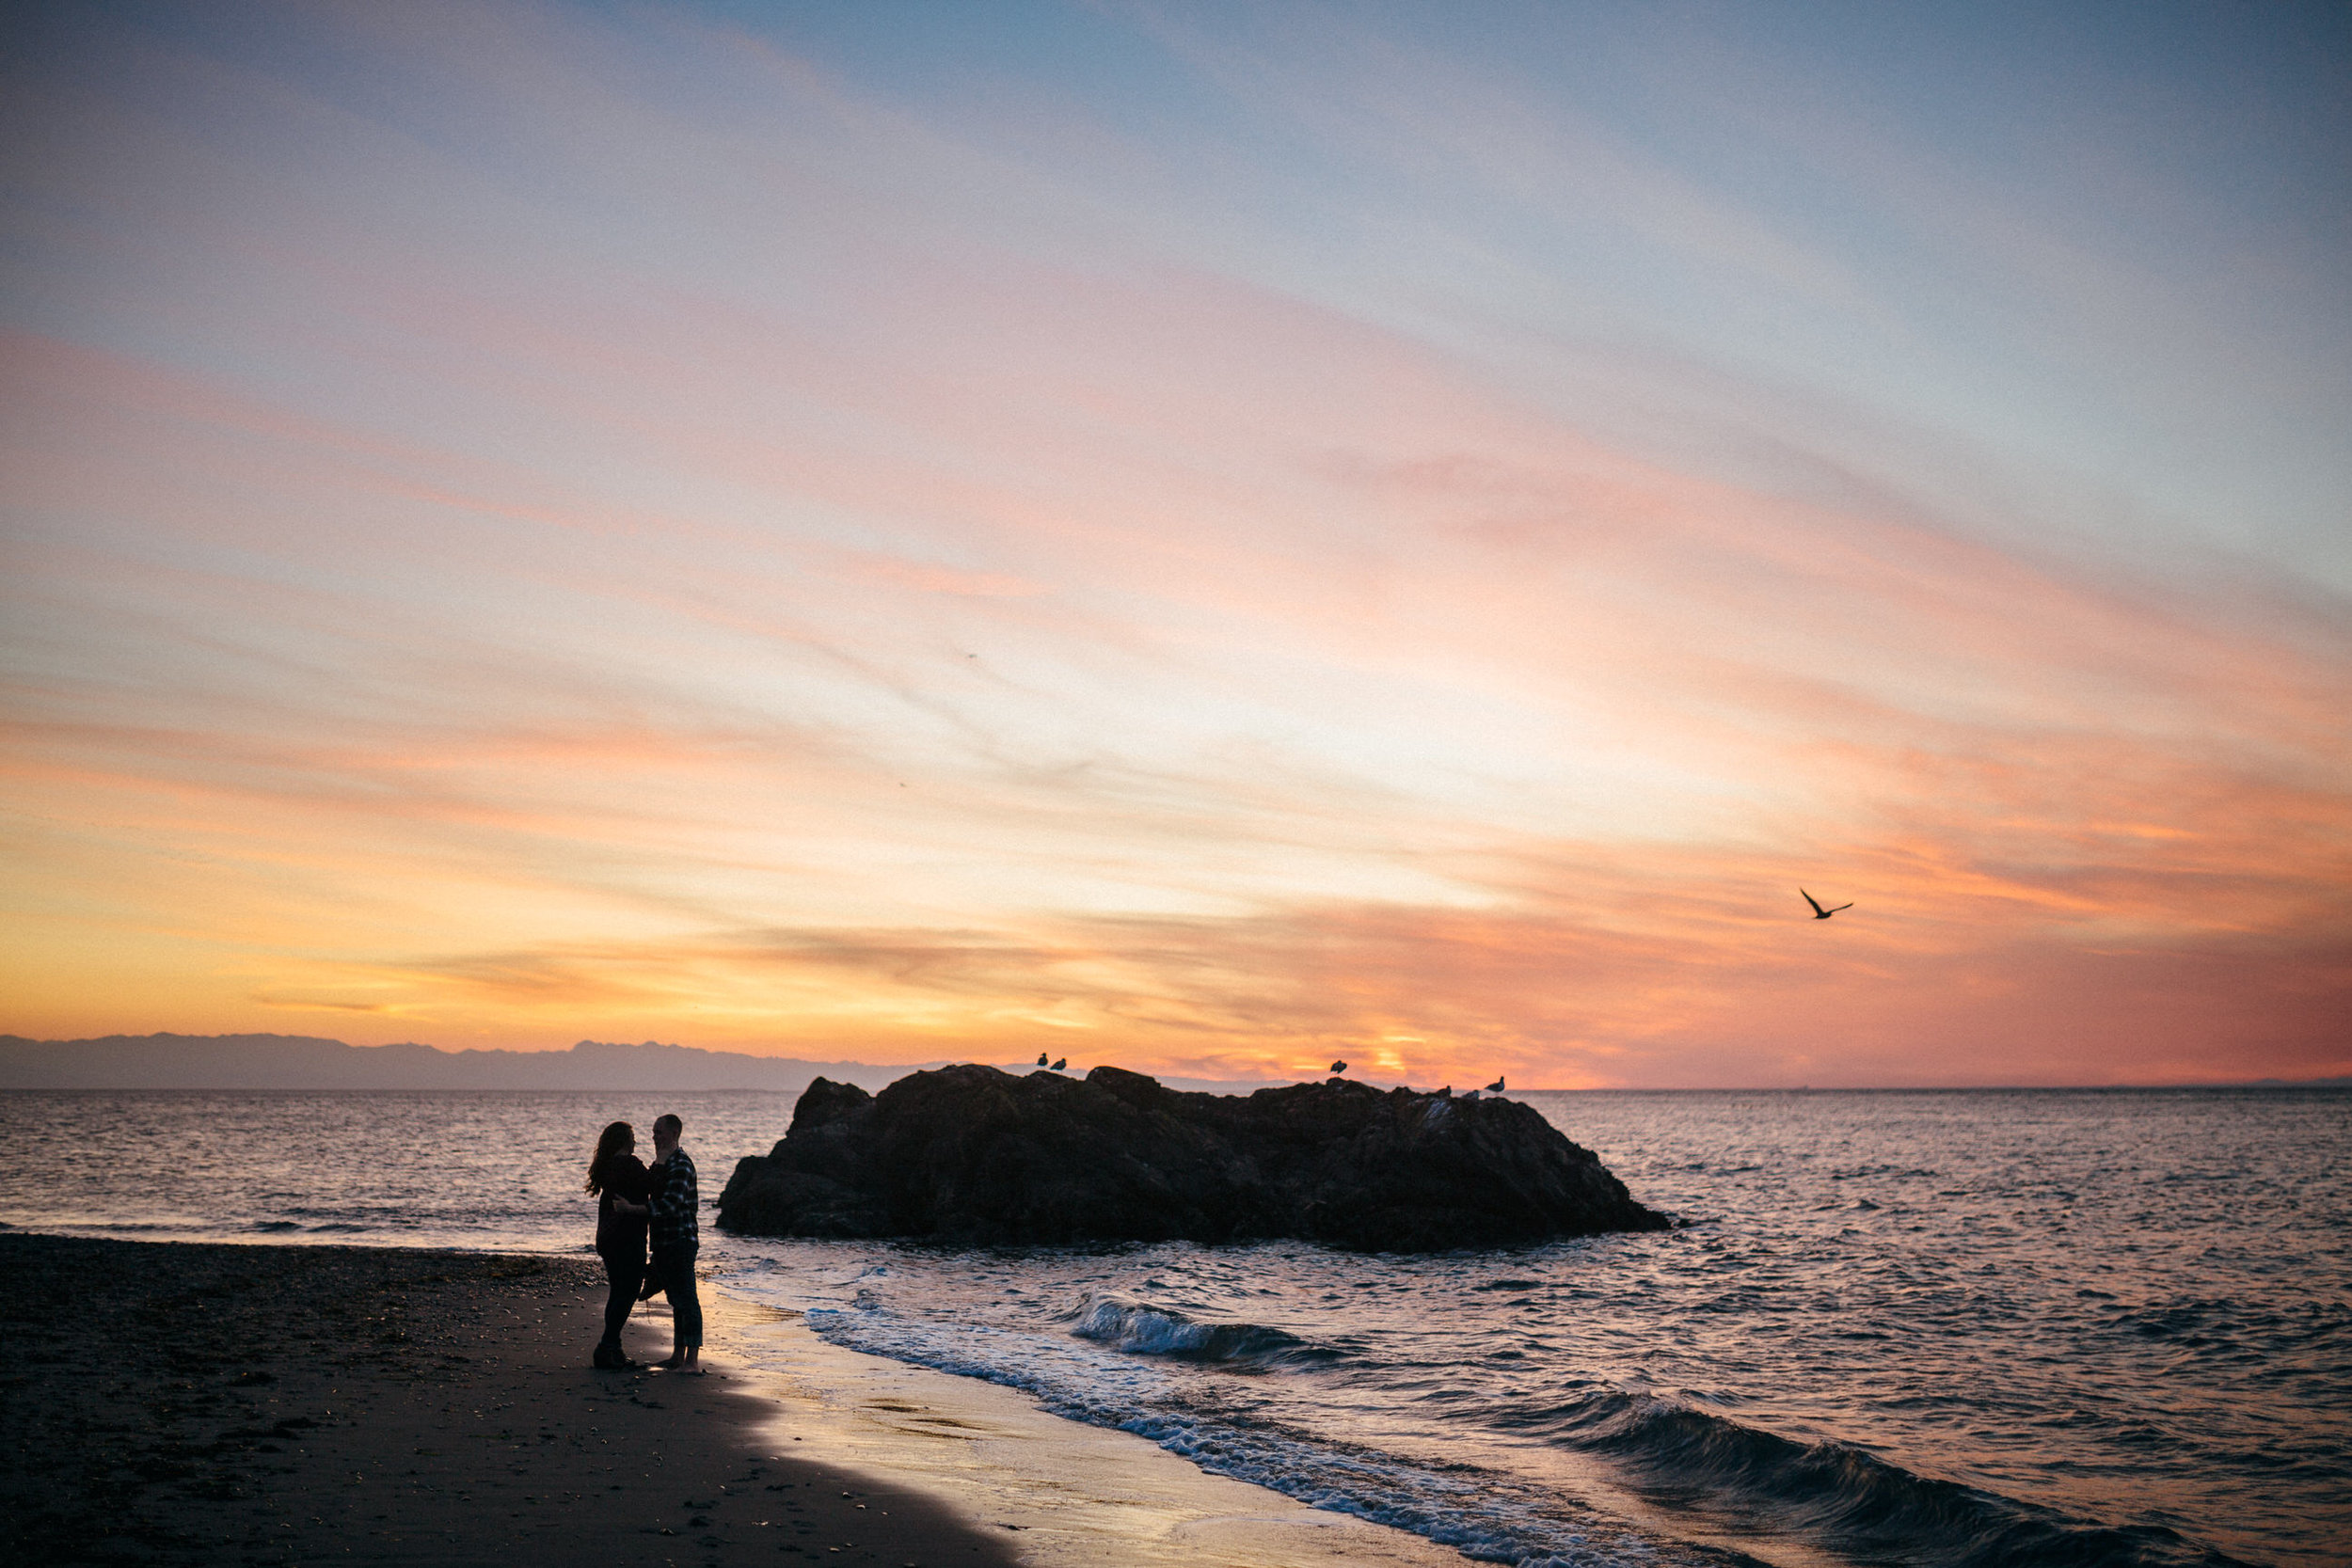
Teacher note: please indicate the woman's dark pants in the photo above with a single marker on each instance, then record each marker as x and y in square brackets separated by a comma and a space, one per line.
[676, 1270]
[626, 1274]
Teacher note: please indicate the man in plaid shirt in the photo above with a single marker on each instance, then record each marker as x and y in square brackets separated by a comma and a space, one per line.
[676, 1237]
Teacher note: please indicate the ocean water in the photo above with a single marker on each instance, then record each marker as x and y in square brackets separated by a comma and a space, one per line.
[2030, 1327]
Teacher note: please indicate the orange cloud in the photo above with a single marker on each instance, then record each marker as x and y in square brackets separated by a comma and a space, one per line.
[880, 629]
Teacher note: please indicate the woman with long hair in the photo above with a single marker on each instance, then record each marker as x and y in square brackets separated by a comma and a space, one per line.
[617, 1179]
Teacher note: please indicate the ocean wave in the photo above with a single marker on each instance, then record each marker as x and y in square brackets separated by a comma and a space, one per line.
[1164, 1331]
[1120, 1362]
[1852, 1501]
[1847, 1496]
[1486, 1517]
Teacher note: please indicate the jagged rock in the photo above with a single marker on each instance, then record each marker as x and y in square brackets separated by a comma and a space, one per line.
[972, 1156]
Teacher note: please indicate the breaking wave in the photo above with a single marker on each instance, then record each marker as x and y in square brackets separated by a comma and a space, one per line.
[1165, 1331]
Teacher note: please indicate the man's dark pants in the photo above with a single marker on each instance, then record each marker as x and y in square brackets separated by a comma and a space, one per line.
[673, 1269]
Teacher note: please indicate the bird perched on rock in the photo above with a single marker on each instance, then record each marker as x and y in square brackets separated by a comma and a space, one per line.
[1819, 912]
[1040, 1058]
[1061, 1063]
[1339, 1067]
[1495, 1087]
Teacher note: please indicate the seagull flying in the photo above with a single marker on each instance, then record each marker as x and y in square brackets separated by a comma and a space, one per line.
[1339, 1067]
[1819, 912]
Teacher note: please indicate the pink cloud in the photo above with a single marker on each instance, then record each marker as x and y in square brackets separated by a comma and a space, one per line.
[880, 623]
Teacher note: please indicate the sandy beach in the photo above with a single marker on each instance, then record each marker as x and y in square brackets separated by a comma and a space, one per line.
[189, 1402]
[181, 1403]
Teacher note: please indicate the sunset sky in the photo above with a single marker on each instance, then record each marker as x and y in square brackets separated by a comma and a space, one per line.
[1208, 537]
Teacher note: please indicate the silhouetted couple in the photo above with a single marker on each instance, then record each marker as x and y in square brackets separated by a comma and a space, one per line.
[633, 1200]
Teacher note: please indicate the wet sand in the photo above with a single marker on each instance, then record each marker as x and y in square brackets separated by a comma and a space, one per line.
[187, 1404]
[1070, 1495]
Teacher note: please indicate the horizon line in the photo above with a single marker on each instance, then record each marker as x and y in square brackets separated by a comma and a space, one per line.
[2322, 1081]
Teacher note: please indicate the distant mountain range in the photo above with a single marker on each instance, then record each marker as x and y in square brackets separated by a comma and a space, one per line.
[306, 1062]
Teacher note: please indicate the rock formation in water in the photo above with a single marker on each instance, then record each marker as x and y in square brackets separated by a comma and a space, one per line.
[972, 1156]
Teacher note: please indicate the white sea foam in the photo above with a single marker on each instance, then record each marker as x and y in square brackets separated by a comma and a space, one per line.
[1101, 1362]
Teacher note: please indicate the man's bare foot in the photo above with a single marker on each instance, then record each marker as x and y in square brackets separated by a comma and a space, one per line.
[674, 1364]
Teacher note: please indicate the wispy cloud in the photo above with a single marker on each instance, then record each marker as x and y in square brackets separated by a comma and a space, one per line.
[742, 554]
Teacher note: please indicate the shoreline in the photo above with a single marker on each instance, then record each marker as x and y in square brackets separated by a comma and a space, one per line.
[285, 1403]
[1077, 1495]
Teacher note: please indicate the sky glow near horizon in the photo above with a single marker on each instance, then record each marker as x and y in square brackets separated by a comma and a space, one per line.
[1205, 538]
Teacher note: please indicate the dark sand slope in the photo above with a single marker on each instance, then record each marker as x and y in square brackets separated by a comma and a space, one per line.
[230, 1404]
